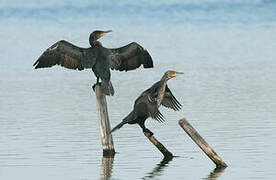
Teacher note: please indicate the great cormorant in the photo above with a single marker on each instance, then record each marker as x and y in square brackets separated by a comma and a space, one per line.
[147, 104]
[97, 57]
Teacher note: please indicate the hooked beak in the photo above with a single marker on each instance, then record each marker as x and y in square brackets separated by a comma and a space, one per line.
[104, 32]
[176, 74]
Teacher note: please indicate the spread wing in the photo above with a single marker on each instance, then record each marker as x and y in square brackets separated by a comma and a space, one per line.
[155, 113]
[129, 57]
[67, 55]
[145, 106]
[170, 101]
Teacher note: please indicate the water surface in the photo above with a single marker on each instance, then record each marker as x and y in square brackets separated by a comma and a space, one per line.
[49, 124]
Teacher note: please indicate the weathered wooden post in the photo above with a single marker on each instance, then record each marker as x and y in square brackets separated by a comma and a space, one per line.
[158, 145]
[188, 128]
[106, 136]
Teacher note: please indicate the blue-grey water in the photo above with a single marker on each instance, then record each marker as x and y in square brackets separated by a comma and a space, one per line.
[226, 48]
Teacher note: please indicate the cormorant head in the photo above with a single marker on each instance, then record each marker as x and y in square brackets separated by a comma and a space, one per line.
[94, 36]
[172, 74]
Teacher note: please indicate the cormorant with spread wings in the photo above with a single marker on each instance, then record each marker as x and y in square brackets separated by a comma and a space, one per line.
[147, 104]
[97, 57]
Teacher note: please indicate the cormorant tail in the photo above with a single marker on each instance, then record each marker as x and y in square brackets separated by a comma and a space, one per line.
[127, 119]
[147, 61]
[107, 87]
[118, 126]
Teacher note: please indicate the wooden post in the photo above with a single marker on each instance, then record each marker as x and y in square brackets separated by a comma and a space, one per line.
[106, 136]
[158, 145]
[201, 143]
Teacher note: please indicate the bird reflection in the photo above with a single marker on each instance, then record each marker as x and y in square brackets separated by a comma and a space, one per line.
[159, 168]
[215, 173]
[106, 169]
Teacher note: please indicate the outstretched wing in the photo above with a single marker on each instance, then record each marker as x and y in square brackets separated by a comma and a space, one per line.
[170, 101]
[155, 113]
[129, 57]
[145, 107]
[67, 55]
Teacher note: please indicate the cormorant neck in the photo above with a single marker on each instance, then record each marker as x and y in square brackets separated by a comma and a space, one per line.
[95, 43]
[164, 79]
[161, 89]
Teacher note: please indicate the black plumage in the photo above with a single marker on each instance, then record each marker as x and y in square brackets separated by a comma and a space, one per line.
[148, 103]
[97, 57]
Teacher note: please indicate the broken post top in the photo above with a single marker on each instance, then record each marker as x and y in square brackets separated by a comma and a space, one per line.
[205, 147]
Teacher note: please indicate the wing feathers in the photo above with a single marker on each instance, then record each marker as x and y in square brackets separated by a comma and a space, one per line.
[131, 63]
[62, 53]
[153, 111]
[170, 101]
[130, 57]
[155, 114]
[146, 60]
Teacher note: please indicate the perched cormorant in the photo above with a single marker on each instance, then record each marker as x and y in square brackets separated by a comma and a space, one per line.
[97, 57]
[147, 104]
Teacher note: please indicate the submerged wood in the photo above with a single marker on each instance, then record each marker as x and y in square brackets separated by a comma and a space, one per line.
[188, 128]
[106, 136]
[158, 145]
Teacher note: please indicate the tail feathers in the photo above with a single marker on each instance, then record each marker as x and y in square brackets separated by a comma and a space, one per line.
[147, 60]
[118, 126]
[128, 119]
[107, 87]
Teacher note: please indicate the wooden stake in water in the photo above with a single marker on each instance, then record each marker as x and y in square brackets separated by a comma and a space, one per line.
[188, 128]
[158, 145]
[106, 136]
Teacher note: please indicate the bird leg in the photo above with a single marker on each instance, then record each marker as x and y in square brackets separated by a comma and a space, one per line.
[98, 82]
[145, 130]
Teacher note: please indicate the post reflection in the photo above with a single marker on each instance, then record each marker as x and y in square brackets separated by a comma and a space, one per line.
[106, 169]
[215, 173]
[159, 168]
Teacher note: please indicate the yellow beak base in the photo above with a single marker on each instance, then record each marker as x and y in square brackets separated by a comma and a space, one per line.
[173, 75]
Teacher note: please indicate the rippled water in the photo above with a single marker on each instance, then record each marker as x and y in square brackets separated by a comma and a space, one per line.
[48, 118]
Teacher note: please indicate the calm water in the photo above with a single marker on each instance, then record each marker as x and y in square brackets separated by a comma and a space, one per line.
[48, 118]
